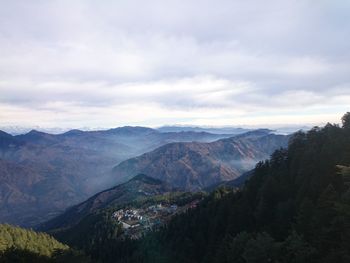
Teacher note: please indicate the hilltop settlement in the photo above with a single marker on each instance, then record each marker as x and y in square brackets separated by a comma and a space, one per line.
[137, 221]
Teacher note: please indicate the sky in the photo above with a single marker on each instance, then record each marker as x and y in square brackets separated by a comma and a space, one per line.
[85, 63]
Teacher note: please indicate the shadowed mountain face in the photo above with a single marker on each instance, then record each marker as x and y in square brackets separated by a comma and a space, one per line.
[236, 183]
[194, 166]
[15, 199]
[42, 174]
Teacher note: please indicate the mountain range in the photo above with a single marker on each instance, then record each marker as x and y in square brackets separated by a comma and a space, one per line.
[210, 165]
[42, 174]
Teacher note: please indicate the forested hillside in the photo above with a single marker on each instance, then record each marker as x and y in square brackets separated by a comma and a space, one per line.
[22, 245]
[295, 208]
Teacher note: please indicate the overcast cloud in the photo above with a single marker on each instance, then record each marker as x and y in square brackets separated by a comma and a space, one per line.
[112, 63]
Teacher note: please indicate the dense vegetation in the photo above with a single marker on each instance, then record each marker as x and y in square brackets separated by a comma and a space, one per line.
[22, 245]
[295, 208]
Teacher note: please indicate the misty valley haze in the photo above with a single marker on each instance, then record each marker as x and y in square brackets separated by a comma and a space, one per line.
[42, 174]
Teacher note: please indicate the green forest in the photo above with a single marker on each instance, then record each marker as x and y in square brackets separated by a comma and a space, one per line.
[295, 208]
[23, 245]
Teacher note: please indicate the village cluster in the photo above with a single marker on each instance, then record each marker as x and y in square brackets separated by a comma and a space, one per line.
[135, 222]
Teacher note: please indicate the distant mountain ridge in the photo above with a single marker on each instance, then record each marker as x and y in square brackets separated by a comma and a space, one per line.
[222, 130]
[18, 130]
[194, 166]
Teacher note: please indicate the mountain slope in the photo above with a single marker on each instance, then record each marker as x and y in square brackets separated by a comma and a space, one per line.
[194, 166]
[43, 244]
[23, 245]
[138, 187]
[236, 183]
[16, 180]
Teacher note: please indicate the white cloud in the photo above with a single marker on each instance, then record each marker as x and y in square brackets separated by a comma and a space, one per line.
[178, 61]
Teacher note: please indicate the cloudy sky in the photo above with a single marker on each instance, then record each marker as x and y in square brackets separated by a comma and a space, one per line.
[220, 62]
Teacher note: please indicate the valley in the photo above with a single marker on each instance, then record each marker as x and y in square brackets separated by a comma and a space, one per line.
[42, 174]
[58, 171]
